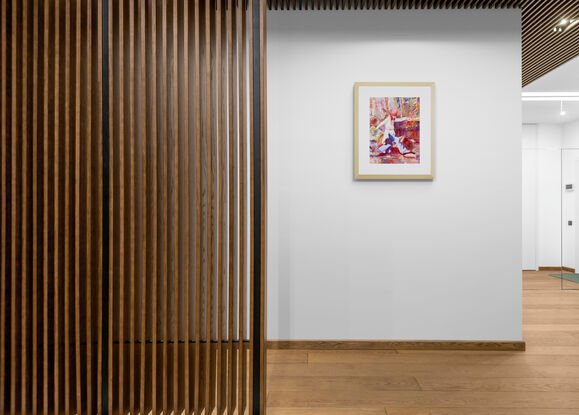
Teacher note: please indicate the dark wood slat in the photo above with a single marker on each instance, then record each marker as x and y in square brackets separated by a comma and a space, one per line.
[112, 171]
[67, 208]
[99, 85]
[186, 216]
[3, 195]
[176, 225]
[165, 214]
[143, 119]
[252, 193]
[67, 212]
[56, 222]
[132, 208]
[77, 214]
[209, 225]
[35, 246]
[121, 193]
[154, 202]
[13, 204]
[263, 225]
[45, 207]
[88, 237]
[24, 138]
[198, 212]
[242, 48]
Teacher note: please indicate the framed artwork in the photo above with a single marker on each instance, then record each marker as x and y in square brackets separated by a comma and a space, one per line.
[394, 130]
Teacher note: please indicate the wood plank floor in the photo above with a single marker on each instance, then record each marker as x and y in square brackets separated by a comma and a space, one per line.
[544, 380]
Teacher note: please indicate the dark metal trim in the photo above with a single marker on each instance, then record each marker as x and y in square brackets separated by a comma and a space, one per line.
[256, 103]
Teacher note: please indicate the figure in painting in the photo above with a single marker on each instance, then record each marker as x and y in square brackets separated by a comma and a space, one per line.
[394, 130]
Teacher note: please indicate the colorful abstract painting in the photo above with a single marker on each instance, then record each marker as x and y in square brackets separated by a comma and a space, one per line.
[394, 130]
[394, 134]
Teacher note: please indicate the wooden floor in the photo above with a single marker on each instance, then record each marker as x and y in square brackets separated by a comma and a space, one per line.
[544, 380]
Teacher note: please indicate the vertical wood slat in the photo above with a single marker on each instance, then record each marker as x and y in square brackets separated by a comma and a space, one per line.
[3, 196]
[13, 202]
[143, 119]
[45, 207]
[186, 216]
[77, 213]
[67, 214]
[56, 222]
[88, 213]
[175, 187]
[35, 64]
[132, 208]
[24, 209]
[262, 392]
[111, 204]
[208, 226]
[101, 190]
[121, 226]
[198, 211]
[154, 202]
[242, 104]
[220, 70]
[165, 199]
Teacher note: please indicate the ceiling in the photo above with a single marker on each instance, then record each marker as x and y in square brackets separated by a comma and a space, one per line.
[563, 79]
[542, 49]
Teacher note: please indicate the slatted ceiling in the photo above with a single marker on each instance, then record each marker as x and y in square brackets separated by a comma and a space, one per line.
[543, 49]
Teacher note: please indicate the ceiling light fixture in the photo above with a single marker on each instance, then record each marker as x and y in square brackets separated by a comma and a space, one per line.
[550, 96]
[564, 25]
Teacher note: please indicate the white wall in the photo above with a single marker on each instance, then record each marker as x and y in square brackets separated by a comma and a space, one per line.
[394, 259]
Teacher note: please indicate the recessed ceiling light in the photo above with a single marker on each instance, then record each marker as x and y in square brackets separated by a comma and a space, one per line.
[564, 25]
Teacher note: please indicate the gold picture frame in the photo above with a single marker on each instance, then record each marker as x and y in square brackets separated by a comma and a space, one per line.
[402, 176]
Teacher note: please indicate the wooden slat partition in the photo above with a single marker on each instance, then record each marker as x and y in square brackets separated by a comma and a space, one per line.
[50, 190]
[156, 316]
[181, 148]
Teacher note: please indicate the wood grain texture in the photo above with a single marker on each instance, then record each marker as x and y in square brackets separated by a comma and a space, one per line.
[177, 202]
[132, 203]
[44, 193]
[145, 247]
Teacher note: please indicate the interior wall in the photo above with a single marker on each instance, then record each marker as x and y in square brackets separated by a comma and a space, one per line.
[394, 259]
